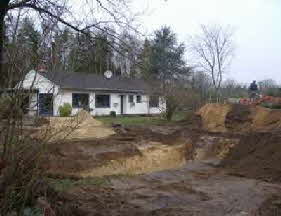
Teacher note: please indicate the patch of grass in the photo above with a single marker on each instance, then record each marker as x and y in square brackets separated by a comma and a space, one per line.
[131, 120]
[141, 120]
[271, 106]
[62, 185]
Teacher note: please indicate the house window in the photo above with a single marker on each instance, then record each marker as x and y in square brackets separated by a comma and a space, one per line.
[139, 99]
[80, 100]
[102, 101]
[154, 101]
[131, 98]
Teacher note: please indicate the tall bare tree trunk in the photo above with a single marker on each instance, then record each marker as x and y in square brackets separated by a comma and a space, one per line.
[3, 10]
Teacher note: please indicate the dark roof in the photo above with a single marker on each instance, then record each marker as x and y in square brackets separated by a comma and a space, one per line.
[67, 80]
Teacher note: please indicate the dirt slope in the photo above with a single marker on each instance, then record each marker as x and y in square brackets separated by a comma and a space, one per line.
[257, 155]
[238, 118]
[213, 116]
[81, 126]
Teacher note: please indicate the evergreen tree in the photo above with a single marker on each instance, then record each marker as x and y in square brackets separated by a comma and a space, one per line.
[162, 62]
[167, 56]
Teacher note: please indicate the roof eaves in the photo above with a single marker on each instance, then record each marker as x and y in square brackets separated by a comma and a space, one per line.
[104, 89]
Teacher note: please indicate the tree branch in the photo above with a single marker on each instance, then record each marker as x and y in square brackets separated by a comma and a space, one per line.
[18, 4]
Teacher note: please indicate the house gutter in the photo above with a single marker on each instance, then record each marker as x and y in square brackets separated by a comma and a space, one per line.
[105, 90]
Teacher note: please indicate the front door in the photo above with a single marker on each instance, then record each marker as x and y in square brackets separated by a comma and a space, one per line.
[46, 104]
[122, 104]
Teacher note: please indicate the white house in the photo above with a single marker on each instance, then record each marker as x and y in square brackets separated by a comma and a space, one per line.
[99, 94]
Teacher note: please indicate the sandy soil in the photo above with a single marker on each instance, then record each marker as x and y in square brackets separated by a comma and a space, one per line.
[81, 126]
[179, 171]
[239, 118]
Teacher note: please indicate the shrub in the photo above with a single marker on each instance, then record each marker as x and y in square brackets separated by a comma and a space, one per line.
[9, 107]
[271, 105]
[276, 106]
[113, 114]
[274, 92]
[65, 110]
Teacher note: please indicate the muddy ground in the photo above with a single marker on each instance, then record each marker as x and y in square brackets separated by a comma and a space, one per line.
[174, 170]
[199, 186]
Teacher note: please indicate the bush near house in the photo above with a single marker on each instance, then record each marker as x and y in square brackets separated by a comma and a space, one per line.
[113, 114]
[65, 110]
[274, 92]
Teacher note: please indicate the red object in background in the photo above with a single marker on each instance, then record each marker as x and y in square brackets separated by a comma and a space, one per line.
[263, 99]
[245, 101]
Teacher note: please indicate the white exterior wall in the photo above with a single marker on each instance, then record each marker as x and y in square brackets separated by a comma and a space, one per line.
[65, 96]
[160, 109]
[60, 96]
[115, 105]
[137, 108]
[33, 80]
[36, 81]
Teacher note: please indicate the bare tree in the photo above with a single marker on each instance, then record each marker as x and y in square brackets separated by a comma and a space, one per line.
[21, 155]
[201, 82]
[98, 16]
[232, 89]
[213, 49]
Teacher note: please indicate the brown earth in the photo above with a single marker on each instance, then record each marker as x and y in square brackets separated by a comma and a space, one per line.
[238, 118]
[257, 152]
[257, 155]
[213, 116]
[194, 189]
[270, 207]
[231, 167]
[136, 151]
[81, 126]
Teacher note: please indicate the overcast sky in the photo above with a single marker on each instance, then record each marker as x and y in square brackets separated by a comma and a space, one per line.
[257, 34]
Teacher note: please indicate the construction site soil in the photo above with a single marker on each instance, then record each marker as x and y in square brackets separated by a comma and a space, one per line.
[258, 152]
[257, 155]
[225, 162]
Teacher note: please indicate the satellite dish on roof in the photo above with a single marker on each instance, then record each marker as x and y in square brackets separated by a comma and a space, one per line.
[108, 74]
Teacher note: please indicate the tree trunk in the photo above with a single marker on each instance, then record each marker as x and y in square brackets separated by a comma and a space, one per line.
[1, 46]
[3, 11]
[170, 110]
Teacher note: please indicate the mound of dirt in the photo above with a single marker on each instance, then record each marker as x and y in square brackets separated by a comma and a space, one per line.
[257, 155]
[238, 118]
[81, 126]
[213, 116]
[266, 119]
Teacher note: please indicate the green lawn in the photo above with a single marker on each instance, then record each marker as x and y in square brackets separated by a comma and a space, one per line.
[140, 120]
[66, 184]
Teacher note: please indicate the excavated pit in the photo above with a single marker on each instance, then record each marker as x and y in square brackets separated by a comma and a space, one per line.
[231, 167]
[151, 157]
[137, 152]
